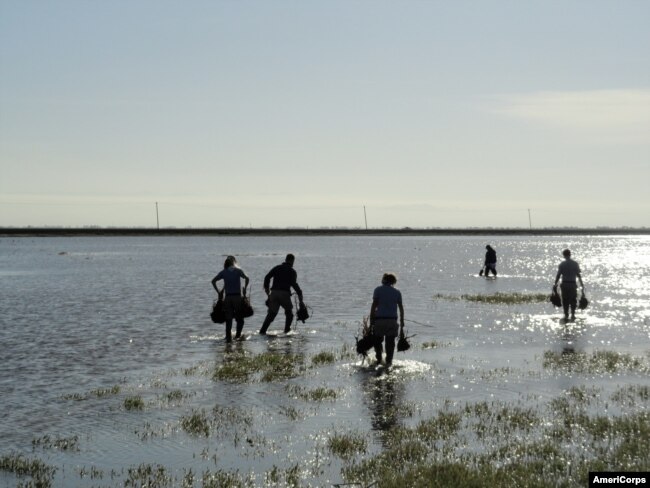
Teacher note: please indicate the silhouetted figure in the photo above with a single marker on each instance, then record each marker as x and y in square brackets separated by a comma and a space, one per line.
[284, 278]
[386, 301]
[231, 274]
[490, 261]
[569, 270]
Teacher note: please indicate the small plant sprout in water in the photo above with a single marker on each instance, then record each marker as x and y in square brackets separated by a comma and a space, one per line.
[134, 403]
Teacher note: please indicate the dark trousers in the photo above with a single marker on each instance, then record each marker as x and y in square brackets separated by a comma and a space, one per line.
[390, 346]
[232, 310]
[569, 298]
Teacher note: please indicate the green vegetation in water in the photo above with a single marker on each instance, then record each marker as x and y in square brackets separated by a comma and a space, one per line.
[62, 443]
[430, 345]
[225, 479]
[629, 395]
[97, 393]
[596, 363]
[512, 298]
[348, 445]
[134, 403]
[324, 357]
[42, 474]
[149, 475]
[197, 423]
[507, 298]
[268, 366]
[513, 446]
[200, 423]
[315, 395]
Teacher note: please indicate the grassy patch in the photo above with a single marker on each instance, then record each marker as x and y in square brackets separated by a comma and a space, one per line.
[598, 362]
[103, 392]
[430, 345]
[324, 357]
[149, 475]
[134, 403]
[268, 366]
[507, 298]
[62, 443]
[347, 445]
[315, 395]
[197, 423]
[225, 479]
[41, 473]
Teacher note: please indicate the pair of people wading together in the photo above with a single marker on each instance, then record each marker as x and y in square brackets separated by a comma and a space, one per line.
[279, 294]
[231, 274]
[386, 302]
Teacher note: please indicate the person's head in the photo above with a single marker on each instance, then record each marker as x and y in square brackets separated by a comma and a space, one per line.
[290, 259]
[566, 253]
[388, 279]
[229, 262]
[488, 247]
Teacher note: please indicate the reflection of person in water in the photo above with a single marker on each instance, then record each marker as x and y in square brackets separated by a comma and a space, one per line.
[490, 261]
[569, 270]
[383, 395]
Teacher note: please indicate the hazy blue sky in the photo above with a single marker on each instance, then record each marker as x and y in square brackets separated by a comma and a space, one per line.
[298, 113]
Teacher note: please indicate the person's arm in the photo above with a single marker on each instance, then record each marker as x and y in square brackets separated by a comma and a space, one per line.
[294, 284]
[401, 318]
[557, 276]
[580, 280]
[373, 307]
[246, 281]
[267, 281]
[214, 282]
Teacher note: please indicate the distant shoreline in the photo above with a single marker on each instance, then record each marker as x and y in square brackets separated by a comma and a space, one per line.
[109, 231]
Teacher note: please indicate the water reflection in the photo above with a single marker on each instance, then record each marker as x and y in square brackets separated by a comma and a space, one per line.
[383, 394]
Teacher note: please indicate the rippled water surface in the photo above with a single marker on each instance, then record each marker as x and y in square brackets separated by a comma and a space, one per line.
[87, 323]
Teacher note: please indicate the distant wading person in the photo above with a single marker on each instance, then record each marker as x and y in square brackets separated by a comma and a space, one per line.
[490, 261]
[386, 301]
[569, 270]
[284, 278]
[231, 274]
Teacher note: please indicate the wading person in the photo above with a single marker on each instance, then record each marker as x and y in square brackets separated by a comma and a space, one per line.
[386, 301]
[284, 279]
[569, 270]
[231, 274]
[490, 261]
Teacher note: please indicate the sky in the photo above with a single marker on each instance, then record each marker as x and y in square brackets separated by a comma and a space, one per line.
[301, 113]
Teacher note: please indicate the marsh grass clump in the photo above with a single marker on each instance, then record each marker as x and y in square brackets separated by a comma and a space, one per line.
[174, 396]
[324, 357]
[598, 362]
[315, 395]
[291, 413]
[268, 366]
[42, 474]
[151, 476]
[507, 298]
[629, 395]
[61, 443]
[134, 403]
[231, 416]
[103, 392]
[197, 423]
[430, 345]
[347, 445]
[225, 479]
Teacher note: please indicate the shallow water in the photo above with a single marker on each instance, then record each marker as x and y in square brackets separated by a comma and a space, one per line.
[82, 315]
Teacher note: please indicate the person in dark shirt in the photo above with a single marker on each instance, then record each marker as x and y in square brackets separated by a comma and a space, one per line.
[284, 278]
[386, 302]
[490, 261]
[569, 271]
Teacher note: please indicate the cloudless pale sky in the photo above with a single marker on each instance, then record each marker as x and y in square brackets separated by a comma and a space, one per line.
[299, 113]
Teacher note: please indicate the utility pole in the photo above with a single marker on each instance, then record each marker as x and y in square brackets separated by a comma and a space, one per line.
[530, 222]
[157, 219]
[365, 216]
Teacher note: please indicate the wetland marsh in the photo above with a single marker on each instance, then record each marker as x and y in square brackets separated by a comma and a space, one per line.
[114, 375]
